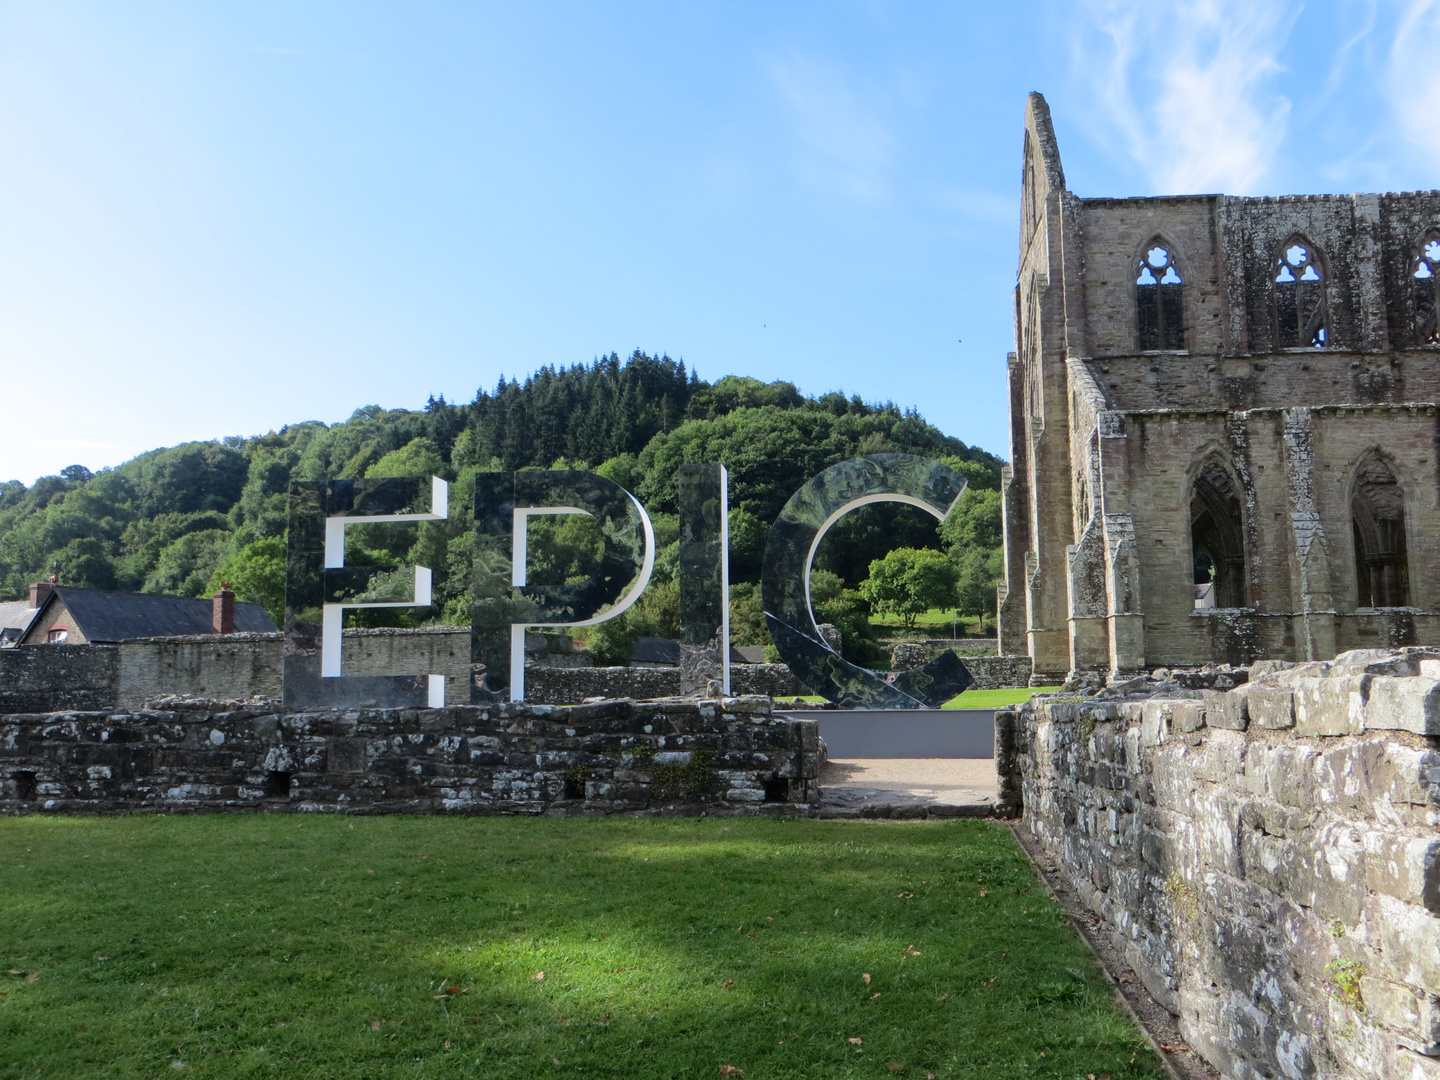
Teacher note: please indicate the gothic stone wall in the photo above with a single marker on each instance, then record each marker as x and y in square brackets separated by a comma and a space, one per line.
[1107, 437]
[726, 756]
[1267, 859]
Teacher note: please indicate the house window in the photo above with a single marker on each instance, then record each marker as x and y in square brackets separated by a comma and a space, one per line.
[1217, 540]
[56, 636]
[1299, 299]
[1159, 313]
[1426, 280]
[1377, 514]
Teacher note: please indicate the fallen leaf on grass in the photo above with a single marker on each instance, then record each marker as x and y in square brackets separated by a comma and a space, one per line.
[910, 950]
[447, 1041]
[539, 976]
[565, 1022]
[605, 1019]
[102, 958]
[942, 997]
[855, 1040]
[1024, 911]
[34, 976]
[988, 983]
[731, 1070]
[14, 971]
[894, 1066]
[866, 977]
[874, 995]
[728, 983]
[984, 892]
[456, 990]
[374, 1025]
[554, 1061]
[1092, 1076]
[906, 895]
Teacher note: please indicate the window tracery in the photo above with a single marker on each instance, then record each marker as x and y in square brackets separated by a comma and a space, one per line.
[1299, 298]
[1377, 514]
[1425, 277]
[1159, 307]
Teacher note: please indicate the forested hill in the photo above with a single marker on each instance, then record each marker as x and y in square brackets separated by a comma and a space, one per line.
[177, 520]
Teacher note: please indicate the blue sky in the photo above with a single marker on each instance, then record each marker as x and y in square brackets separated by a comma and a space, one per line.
[218, 218]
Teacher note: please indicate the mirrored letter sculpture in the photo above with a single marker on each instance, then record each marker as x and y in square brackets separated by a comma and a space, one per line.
[785, 579]
[704, 578]
[319, 587]
[503, 605]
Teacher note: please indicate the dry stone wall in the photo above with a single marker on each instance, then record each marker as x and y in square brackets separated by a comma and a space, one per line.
[731, 755]
[1267, 858]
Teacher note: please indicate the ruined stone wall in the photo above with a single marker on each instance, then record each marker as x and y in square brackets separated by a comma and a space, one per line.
[1107, 447]
[563, 686]
[45, 677]
[241, 666]
[727, 756]
[1267, 858]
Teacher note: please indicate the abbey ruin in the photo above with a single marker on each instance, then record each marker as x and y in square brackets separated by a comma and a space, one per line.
[1223, 426]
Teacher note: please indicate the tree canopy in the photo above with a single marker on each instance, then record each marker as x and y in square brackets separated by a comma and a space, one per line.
[181, 519]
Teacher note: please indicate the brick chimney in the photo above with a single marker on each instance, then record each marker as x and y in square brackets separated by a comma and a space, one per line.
[41, 590]
[222, 610]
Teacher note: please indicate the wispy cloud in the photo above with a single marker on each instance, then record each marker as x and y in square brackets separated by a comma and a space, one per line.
[1412, 78]
[1188, 89]
[846, 145]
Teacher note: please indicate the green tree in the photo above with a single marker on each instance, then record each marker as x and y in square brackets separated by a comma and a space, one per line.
[257, 575]
[185, 566]
[979, 575]
[418, 457]
[976, 523]
[909, 582]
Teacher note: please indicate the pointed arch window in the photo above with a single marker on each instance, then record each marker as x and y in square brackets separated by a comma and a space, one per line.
[1377, 511]
[1425, 278]
[1217, 539]
[1299, 298]
[1159, 310]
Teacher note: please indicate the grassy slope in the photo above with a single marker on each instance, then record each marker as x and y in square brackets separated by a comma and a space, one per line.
[322, 947]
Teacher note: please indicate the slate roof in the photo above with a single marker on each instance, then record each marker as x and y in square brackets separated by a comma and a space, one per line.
[15, 616]
[104, 616]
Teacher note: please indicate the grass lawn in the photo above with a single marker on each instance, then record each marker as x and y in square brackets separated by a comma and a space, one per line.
[977, 699]
[996, 699]
[281, 946]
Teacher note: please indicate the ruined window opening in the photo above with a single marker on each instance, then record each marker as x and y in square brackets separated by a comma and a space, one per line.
[1159, 311]
[26, 784]
[1217, 540]
[777, 789]
[1426, 280]
[1299, 299]
[1377, 511]
[277, 784]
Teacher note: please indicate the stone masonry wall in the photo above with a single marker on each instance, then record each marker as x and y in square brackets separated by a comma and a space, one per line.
[726, 756]
[45, 677]
[1267, 858]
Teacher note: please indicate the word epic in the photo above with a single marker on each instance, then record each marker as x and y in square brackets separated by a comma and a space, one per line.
[320, 587]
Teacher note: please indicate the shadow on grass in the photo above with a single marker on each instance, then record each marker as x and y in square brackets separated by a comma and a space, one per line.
[329, 947]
